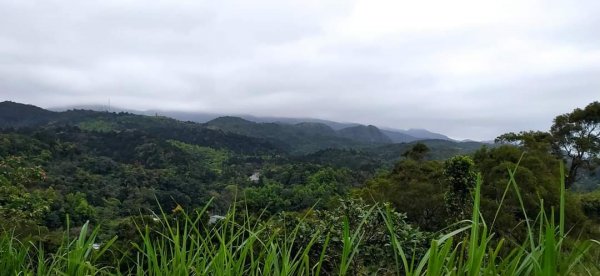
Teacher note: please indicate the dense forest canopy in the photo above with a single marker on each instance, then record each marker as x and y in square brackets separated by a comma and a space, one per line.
[110, 170]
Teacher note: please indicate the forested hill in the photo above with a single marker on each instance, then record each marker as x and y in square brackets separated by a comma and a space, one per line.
[395, 135]
[21, 115]
[304, 137]
[367, 134]
[226, 132]
[100, 165]
[32, 119]
[121, 135]
[123, 172]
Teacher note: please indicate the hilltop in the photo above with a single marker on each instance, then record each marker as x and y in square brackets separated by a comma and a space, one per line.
[235, 133]
[394, 134]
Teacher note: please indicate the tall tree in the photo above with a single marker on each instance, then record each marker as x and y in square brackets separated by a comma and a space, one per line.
[577, 138]
[460, 174]
[530, 140]
[417, 152]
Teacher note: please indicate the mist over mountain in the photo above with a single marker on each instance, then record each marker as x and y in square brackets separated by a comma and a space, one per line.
[291, 135]
[389, 134]
[284, 136]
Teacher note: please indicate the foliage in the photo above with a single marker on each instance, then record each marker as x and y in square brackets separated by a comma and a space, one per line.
[417, 152]
[97, 125]
[459, 172]
[537, 177]
[313, 190]
[269, 196]
[368, 223]
[577, 138]
[414, 188]
[591, 204]
[111, 172]
[543, 252]
[185, 244]
[367, 134]
[78, 208]
[303, 138]
[438, 150]
[532, 140]
[20, 208]
[212, 158]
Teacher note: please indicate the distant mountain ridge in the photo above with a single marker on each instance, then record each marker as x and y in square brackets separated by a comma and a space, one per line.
[15, 115]
[368, 134]
[308, 136]
[234, 133]
[365, 134]
[295, 139]
[394, 135]
[413, 134]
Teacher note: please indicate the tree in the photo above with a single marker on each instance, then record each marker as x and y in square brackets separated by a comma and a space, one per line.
[538, 180]
[20, 208]
[320, 188]
[269, 197]
[414, 188]
[461, 177]
[417, 152]
[530, 140]
[78, 208]
[577, 139]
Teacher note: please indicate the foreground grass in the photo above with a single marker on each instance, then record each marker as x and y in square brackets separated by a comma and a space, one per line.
[188, 246]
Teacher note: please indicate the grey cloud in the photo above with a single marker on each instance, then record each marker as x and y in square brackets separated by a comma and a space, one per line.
[473, 79]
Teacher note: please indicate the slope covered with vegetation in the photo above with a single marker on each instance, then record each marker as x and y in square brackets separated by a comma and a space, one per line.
[303, 137]
[84, 192]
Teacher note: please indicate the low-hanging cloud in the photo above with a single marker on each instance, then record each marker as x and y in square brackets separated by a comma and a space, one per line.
[469, 69]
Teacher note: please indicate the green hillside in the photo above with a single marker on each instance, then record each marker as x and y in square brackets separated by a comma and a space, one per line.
[151, 186]
[301, 138]
[367, 134]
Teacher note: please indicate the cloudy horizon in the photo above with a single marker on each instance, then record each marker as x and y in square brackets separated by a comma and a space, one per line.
[468, 69]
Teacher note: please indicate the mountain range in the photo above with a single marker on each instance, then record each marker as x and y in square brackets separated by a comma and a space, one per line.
[316, 139]
[366, 133]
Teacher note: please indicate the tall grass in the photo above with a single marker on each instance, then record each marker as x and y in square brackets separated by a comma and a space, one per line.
[542, 253]
[236, 245]
[75, 256]
[189, 246]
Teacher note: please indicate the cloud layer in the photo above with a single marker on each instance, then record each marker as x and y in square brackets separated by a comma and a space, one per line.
[467, 68]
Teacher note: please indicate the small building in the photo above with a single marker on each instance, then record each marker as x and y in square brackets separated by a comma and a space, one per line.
[255, 177]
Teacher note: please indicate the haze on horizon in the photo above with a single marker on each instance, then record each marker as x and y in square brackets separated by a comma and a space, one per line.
[467, 68]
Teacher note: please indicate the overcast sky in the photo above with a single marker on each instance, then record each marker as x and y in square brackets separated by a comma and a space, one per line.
[468, 69]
